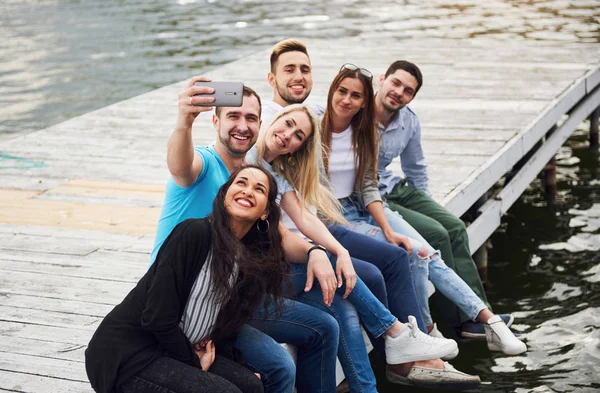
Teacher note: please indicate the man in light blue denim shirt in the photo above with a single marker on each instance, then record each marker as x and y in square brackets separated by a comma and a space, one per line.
[400, 133]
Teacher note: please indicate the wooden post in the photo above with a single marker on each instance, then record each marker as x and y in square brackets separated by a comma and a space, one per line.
[550, 181]
[594, 127]
[481, 255]
[549, 175]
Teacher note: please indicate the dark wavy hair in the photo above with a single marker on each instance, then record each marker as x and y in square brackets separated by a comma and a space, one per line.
[365, 136]
[257, 261]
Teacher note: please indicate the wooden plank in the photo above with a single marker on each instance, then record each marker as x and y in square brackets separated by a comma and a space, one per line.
[111, 218]
[42, 366]
[44, 244]
[48, 286]
[108, 239]
[98, 258]
[30, 383]
[125, 272]
[69, 352]
[47, 334]
[51, 318]
[76, 307]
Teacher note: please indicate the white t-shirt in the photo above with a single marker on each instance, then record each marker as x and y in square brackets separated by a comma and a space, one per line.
[268, 112]
[341, 163]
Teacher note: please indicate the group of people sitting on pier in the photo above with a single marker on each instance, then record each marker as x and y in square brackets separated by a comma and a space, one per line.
[299, 232]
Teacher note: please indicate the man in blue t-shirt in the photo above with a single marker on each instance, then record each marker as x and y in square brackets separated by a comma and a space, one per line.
[197, 173]
[194, 200]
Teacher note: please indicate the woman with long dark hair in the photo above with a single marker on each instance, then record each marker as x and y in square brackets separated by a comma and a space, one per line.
[209, 278]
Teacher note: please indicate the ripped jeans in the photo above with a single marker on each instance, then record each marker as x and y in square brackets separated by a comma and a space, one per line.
[429, 266]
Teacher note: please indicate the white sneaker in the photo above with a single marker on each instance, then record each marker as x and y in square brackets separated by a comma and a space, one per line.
[437, 334]
[413, 345]
[500, 338]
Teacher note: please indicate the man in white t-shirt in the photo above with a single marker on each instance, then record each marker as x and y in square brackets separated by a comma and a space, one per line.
[290, 77]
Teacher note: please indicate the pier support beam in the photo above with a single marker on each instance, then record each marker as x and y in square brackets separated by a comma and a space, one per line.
[549, 174]
[594, 127]
[481, 255]
[549, 181]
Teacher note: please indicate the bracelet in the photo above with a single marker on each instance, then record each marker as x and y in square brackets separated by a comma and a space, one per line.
[316, 247]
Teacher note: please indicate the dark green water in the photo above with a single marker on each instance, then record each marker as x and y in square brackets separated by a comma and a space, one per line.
[60, 58]
[545, 268]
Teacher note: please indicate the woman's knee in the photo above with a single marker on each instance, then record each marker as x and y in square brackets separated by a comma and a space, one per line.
[281, 376]
[419, 262]
[372, 278]
[329, 328]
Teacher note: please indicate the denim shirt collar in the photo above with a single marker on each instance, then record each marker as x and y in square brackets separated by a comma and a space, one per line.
[396, 122]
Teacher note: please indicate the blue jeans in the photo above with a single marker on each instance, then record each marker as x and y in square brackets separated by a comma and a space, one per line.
[361, 303]
[313, 332]
[431, 267]
[392, 263]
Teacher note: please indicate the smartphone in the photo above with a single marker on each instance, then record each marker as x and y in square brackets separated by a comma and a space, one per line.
[226, 93]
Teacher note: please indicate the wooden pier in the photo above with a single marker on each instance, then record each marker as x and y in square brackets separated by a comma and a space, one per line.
[80, 200]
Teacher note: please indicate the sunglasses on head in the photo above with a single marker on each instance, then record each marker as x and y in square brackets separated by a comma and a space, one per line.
[352, 67]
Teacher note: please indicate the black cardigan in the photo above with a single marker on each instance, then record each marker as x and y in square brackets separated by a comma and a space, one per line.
[145, 326]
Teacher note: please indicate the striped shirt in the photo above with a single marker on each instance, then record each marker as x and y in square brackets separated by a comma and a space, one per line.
[202, 307]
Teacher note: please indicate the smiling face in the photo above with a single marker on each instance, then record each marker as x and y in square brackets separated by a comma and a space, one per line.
[397, 90]
[247, 198]
[288, 134]
[292, 78]
[348, 98]
[237, 128]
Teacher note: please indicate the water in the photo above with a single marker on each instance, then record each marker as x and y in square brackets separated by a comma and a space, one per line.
[59, 59]
[545, 267]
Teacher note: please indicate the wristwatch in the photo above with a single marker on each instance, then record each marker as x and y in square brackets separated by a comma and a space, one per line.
[316, 247]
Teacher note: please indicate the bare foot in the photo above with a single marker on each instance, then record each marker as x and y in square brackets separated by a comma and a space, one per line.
[435, 363]
[400, 369]
[404, 368]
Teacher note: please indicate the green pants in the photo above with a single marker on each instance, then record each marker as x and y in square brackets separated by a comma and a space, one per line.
[444, 232]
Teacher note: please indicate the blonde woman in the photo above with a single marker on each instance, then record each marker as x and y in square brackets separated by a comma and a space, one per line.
[290, 148]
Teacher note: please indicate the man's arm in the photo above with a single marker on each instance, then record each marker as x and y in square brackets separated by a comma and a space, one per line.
[412, 159]
[296, 249]
[185, 166]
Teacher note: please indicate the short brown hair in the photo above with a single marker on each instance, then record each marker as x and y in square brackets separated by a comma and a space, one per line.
[409, 67]
[286, 46]
[248, 92]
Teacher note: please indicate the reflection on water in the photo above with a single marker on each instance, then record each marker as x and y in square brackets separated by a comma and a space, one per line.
[545, 267]
[554, 252]
[60, 58]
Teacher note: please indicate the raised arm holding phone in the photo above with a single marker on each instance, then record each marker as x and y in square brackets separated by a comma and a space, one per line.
[196, 174]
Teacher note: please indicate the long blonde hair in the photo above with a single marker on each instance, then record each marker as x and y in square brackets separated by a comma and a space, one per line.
[303, 169]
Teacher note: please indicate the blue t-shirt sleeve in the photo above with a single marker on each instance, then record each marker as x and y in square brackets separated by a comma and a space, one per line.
[207, 160]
